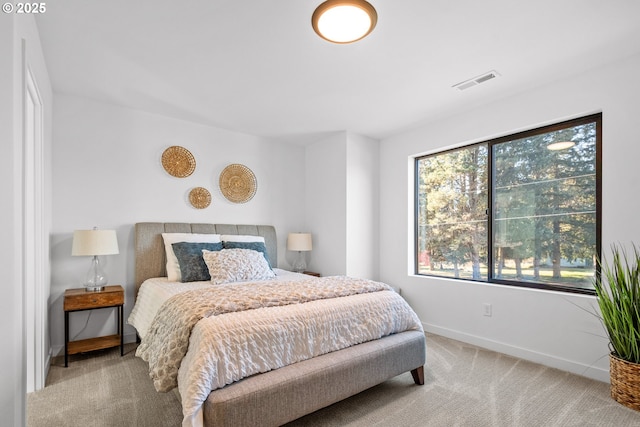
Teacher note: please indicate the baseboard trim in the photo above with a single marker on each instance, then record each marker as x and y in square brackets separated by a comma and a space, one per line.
[577, 368]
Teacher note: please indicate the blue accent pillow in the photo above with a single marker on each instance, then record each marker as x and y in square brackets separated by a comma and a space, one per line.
[192, 265]
[255, 246]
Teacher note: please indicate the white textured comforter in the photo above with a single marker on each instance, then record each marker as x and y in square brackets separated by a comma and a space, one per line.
[154, 292]
[227, 347]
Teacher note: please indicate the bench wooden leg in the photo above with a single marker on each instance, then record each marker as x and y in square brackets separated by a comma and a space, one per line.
[418, 375]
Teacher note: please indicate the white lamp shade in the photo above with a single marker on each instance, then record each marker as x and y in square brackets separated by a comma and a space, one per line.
[94, 242]
[299, 242]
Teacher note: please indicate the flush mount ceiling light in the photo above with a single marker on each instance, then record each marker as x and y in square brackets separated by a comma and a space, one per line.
[342, 21]
[562, 145]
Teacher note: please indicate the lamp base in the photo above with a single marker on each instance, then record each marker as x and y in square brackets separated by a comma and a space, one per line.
[96, 279]
[300, 263]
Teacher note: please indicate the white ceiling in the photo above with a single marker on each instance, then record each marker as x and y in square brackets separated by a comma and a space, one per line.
[256, 66]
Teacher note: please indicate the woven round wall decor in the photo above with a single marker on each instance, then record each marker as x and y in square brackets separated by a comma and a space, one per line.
[200, 197]
[178, 161]
[238, 183]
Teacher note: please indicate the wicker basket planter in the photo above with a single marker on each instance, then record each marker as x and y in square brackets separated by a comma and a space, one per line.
[625, 382]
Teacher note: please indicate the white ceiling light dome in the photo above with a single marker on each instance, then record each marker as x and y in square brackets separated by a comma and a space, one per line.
[342, 21]
[562, 145]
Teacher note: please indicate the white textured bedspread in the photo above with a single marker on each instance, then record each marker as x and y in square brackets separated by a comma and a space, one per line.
[253, 328]
[154, 292]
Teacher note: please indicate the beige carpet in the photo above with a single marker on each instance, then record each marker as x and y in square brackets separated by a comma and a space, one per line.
[464, 386]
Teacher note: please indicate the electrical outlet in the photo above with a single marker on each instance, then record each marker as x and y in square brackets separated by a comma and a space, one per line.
[486, 309]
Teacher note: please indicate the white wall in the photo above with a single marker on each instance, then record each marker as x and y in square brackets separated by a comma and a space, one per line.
[341, 205]
[362, 206]
[11, 359]
[546, 327]
[107, 173]
[19, 44]
[325, 198]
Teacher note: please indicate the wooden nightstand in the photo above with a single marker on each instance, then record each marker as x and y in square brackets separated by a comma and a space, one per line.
[311, 273]
[79, 300]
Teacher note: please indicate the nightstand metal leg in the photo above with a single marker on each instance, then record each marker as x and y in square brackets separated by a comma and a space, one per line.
[121, 329]
[66, 339]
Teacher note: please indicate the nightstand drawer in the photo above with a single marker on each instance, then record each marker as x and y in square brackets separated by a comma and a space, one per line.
[79, 299]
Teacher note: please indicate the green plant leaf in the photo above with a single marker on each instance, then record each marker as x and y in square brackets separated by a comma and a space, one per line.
[618, 295]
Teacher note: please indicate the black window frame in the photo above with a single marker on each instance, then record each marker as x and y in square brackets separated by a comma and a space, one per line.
[597, 118]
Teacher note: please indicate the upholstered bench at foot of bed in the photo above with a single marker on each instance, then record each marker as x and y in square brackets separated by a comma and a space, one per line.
[277, 397]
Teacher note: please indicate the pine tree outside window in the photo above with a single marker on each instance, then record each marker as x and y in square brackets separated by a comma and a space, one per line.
[513, 210]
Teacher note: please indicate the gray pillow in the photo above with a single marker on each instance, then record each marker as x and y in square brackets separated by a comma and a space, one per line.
[192, 265]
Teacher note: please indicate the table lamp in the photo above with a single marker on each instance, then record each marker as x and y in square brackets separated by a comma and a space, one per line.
[300, 242]
[94, 243]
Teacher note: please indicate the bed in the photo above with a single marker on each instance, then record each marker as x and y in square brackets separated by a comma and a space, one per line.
[283, 394]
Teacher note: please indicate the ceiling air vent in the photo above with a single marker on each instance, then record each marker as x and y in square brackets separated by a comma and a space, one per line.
[476, 80]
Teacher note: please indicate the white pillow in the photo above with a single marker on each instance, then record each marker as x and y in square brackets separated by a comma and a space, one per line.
[173, 266]
[236, 265]
[241, 238]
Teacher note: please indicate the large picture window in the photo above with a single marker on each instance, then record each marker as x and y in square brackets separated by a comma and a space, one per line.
[522, 209]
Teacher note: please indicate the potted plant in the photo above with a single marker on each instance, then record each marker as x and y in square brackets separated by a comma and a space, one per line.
[618, 295]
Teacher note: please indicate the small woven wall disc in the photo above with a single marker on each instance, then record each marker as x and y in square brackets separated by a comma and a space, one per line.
[200, 197]
[238, 183]
[178, 161]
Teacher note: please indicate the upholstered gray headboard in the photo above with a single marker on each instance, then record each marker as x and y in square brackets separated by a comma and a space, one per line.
[149, 247]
